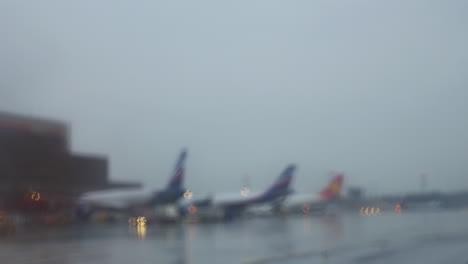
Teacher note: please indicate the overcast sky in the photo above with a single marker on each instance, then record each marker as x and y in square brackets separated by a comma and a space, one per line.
[377, 89]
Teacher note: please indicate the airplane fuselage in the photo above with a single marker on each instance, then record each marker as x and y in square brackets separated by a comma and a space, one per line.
[123, 200]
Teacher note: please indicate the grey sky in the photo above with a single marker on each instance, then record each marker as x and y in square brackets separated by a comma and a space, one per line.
[376, 89]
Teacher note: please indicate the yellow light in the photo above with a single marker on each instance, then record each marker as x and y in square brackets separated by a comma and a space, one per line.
[188, 195]
[370, 210]
[35, 196]
[141, 220]
[141, 231]
[245, 191]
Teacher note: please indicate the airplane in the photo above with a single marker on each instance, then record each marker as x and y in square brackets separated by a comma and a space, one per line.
[229, 206]
[129, 200]
[310, 203]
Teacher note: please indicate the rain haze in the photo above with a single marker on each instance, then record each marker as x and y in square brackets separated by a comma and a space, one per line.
[376, 89]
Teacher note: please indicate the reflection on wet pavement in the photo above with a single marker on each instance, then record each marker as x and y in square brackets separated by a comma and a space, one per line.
[298, 239]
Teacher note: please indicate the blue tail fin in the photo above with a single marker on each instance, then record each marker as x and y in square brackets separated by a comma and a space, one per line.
[281, 185]
[177, 179]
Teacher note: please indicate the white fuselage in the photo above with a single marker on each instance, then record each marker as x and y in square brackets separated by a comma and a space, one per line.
[220, 199]
[299, 199]
[116, 199]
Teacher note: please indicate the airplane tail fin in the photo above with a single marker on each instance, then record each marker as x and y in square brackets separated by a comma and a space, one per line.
[177, 178]
[281, 186]
[333, 189]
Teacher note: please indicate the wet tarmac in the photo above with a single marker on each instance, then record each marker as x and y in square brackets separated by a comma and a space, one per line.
[386, 238]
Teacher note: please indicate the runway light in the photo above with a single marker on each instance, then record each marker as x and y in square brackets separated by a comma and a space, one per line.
[397, 208]
[188, 195]
[369, 211]
[141, 220]
[245, 191]
[305, 208]
[192, 209]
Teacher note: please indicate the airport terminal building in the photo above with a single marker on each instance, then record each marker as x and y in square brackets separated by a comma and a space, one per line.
[36, 164]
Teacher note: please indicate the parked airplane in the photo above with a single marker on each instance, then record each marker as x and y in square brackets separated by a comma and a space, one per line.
[310, 203]
[132, 199]
[227, 206]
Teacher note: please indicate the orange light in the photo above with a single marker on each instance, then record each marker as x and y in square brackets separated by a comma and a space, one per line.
[305, 208]
[192, 209]
[35, 196]
[397, 208]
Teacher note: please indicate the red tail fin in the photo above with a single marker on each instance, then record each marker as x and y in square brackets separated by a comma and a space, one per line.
[333, 189]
